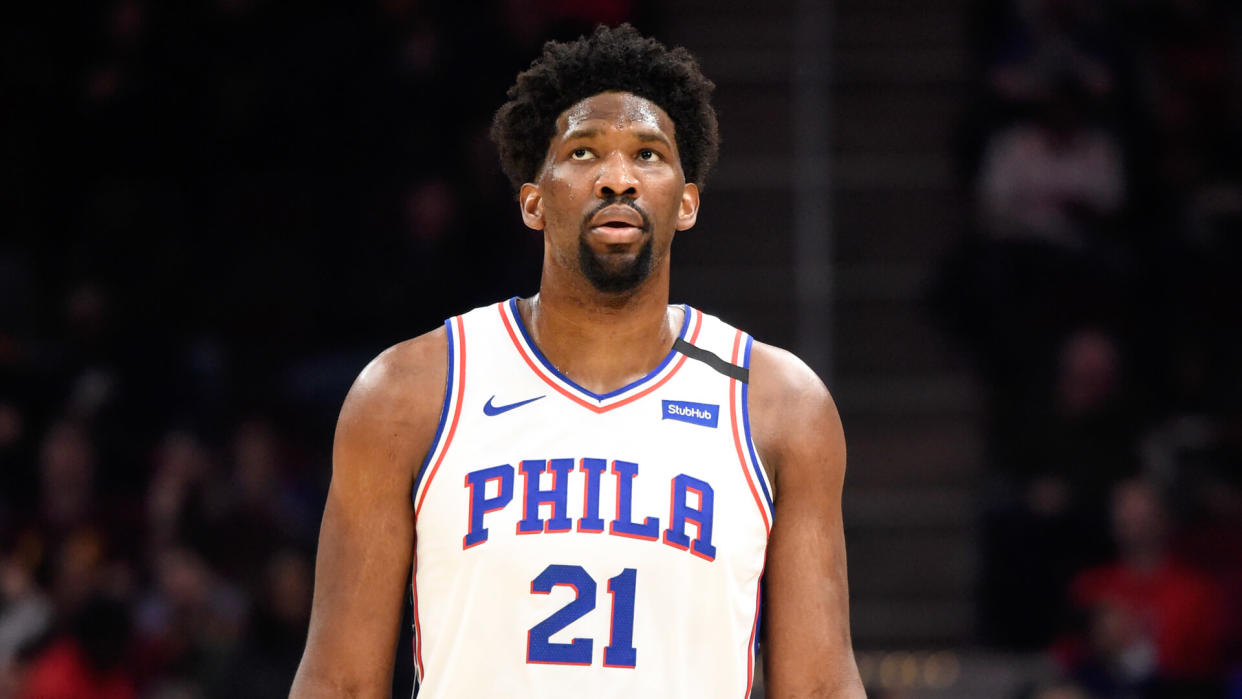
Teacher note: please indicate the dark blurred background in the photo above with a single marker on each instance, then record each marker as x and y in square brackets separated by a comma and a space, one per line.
[1006, 232]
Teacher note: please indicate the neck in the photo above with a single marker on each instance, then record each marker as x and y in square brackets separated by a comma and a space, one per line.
[602, 341]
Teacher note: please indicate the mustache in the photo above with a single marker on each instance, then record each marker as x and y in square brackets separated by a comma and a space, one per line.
[613, 201]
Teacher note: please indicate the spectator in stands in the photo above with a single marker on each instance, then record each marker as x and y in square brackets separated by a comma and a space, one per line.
[178, 490]
[1154, 625]
[1193, 68]
[88, 660]
[189, 623]
[25, 609]
[264, 505]
[67, 476]
[1067, 447]
[14, 438]
[1082, 435]
[273, 644]
[1054, 180]
[1047, 37]
[1045, 260]
[1199, 460]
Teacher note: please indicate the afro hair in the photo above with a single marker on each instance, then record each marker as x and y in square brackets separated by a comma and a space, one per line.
[609, 60]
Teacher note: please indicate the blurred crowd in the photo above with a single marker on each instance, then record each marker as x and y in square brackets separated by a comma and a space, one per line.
[214, 212]
[1099, 290]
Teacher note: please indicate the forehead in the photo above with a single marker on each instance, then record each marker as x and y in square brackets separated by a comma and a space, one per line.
[617, 110]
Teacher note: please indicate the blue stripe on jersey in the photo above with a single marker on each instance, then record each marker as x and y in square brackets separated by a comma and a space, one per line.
[517, 317]
[750, 444]
[759, 618]
[444, 411]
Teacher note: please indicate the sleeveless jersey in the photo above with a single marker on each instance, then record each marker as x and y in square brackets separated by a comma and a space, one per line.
[574, 544]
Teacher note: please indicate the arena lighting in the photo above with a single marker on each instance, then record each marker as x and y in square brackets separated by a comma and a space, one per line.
[910, 669]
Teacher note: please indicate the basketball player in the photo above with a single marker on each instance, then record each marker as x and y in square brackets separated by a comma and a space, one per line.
[590, 484]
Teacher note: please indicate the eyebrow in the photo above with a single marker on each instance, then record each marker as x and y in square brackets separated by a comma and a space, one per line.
[590, 132]
[648, 136]
[593, 131]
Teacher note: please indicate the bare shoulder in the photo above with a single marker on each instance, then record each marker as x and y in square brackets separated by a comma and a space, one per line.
[798, 432]
[418, 363]
[394, 404]
[791, 411]
[367, 534]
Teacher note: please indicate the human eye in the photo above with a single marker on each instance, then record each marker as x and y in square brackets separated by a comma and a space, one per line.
[580, 154]
[648, 155]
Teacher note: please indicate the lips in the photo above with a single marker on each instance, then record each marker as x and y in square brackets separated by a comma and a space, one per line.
[617, 225]
[617, 216]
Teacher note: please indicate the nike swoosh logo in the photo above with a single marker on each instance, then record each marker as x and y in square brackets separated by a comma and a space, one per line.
[490, 409]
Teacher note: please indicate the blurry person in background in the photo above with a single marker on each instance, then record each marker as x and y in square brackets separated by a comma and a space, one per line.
[1074, 442]
[67, 477]
[1213, 542]
[272, 647]
[86, 539]
[1054, 180]
[26, 612]
[267, 488]
[178, 490]
[88, 660]
[1153, 625]
[189, 625]
[1046, 259]
[1044, 37]
[1195, 457]
[15, 439]
[1083, 440]
[264, 505]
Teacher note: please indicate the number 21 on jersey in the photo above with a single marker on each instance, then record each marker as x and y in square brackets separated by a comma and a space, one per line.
[620, 650]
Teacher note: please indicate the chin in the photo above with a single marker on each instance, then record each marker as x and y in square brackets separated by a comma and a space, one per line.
[620, 282]
[616, 273]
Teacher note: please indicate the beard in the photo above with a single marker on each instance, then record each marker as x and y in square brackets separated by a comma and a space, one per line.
[613, 276]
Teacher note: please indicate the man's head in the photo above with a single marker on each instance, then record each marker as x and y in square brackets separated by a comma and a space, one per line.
[606, 140]
[1139, 519]
[610, 60]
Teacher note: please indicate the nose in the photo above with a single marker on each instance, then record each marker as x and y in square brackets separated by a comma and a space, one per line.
[616, 177]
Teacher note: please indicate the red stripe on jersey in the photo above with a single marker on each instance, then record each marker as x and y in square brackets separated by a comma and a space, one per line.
[754, 628]
[418, 629]
[737, 439]
[461, 391]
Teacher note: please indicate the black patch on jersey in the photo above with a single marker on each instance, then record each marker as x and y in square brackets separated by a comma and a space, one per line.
[733, 371]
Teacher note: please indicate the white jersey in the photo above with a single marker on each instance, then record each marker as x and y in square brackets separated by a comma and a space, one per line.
[572, 544]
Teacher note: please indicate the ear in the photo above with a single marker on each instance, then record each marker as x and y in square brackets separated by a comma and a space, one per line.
[688, 214]
[531, 201]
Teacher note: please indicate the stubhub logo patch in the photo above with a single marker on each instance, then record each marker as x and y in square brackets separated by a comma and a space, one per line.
[704, 414]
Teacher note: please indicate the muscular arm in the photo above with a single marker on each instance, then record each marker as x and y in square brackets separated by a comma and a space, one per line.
[807, 651]
[367, 537]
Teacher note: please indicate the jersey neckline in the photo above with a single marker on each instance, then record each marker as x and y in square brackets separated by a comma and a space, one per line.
[690, 324]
